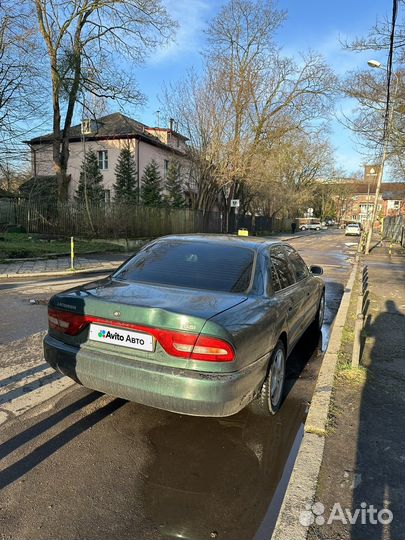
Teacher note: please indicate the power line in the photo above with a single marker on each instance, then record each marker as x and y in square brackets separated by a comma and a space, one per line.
[389, 67]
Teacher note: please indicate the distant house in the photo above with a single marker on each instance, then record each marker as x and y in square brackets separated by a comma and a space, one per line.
[359, 206]
[107, 136]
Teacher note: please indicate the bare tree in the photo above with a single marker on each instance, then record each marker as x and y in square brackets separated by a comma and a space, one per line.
[369, 88]
[20, 101]
[249, 98]
[92, 46]
[287, 178]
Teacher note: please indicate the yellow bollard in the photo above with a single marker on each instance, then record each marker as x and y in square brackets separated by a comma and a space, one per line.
[72, 254]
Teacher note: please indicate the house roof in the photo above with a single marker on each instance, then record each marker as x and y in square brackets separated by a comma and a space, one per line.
[393, 190]
[389, 190]
[112, 126]
[168, 130]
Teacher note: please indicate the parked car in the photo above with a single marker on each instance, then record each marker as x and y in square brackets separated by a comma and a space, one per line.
[195, 324]
[305, 224]
[353, 229]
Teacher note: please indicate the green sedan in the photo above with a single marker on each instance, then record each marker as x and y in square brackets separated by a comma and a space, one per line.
[194, 324]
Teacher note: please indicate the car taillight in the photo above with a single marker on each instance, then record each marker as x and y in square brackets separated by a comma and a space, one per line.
[195, 347]
[179, 344]
[66, 322]
[212, 350]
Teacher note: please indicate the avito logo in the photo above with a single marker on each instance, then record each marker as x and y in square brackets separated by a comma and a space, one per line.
[110, 335]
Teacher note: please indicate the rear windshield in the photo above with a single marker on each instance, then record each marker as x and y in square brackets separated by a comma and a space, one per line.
[197, 265]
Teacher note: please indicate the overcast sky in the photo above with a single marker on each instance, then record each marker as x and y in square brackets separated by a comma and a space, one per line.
[320, 25]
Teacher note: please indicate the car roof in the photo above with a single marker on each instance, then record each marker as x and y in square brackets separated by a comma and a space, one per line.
[254, 242]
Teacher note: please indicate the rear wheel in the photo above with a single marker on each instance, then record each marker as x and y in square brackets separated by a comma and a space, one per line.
[303, 228]
[320, 314]
[271, 394]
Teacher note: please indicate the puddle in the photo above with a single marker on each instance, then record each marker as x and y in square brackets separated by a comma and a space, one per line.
[226, 478]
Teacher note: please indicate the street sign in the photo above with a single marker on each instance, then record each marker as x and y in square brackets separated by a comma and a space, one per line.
[235, 203]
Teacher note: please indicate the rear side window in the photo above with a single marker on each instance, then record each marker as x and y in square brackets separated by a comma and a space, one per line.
[281, 268]
[199, 265]
[300, 268]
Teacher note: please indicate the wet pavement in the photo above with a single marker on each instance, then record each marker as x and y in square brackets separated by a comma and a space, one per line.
[98, 467]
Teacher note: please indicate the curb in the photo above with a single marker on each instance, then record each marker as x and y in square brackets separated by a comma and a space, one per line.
[53, 256]
[91, 270]
[302, 486]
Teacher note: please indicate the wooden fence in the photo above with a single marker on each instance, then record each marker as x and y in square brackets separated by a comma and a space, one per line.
[125, 220]
[394, 229]
[107, 221]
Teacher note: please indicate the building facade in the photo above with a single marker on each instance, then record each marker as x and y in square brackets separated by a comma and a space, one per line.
[107, 136]
[359, 205]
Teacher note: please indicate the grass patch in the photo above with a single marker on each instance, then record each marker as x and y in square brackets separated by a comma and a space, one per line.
[345, 373]
[21, 246]
[355, 376]
[347, 334]
[316, 431]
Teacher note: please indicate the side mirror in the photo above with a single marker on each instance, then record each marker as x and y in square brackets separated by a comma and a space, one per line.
[316, 270]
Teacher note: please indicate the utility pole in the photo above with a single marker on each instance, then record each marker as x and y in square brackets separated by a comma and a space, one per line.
[375, 64]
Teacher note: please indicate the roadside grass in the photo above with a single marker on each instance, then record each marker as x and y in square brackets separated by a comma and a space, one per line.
[354, 377]
[21, 246]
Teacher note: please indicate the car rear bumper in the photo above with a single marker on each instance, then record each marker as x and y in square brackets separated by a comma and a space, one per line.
[178, 390]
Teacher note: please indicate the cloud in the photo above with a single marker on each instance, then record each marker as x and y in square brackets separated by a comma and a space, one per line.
[191, 16]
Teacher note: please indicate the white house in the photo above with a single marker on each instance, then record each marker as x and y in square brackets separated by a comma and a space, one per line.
[106, 136]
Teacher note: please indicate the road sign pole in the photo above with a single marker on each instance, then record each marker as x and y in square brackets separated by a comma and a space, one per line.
[72, 253]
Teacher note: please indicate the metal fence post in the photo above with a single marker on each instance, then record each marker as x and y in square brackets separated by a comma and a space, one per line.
[359, 322]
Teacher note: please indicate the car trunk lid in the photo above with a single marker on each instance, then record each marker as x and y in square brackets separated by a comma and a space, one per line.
[115, 302]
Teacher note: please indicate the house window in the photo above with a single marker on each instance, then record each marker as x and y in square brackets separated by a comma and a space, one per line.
[107, 196]
[165, 168]
[102, 159]
[366, 208]
[393, 205]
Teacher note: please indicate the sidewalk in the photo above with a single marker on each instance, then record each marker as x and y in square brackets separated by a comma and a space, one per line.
[60, 266]
[364, 455]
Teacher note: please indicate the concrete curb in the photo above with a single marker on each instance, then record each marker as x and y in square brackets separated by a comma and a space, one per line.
[90, 270]
[302, 486]
[53, 256]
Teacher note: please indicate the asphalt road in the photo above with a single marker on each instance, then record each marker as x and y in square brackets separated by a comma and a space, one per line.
[77, 464]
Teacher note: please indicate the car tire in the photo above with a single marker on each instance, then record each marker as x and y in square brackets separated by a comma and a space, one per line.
[269, 400]
[303, 228]
[320, 313]
[317, 229]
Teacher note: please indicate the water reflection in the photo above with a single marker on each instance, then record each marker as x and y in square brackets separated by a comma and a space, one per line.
[226, 477]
